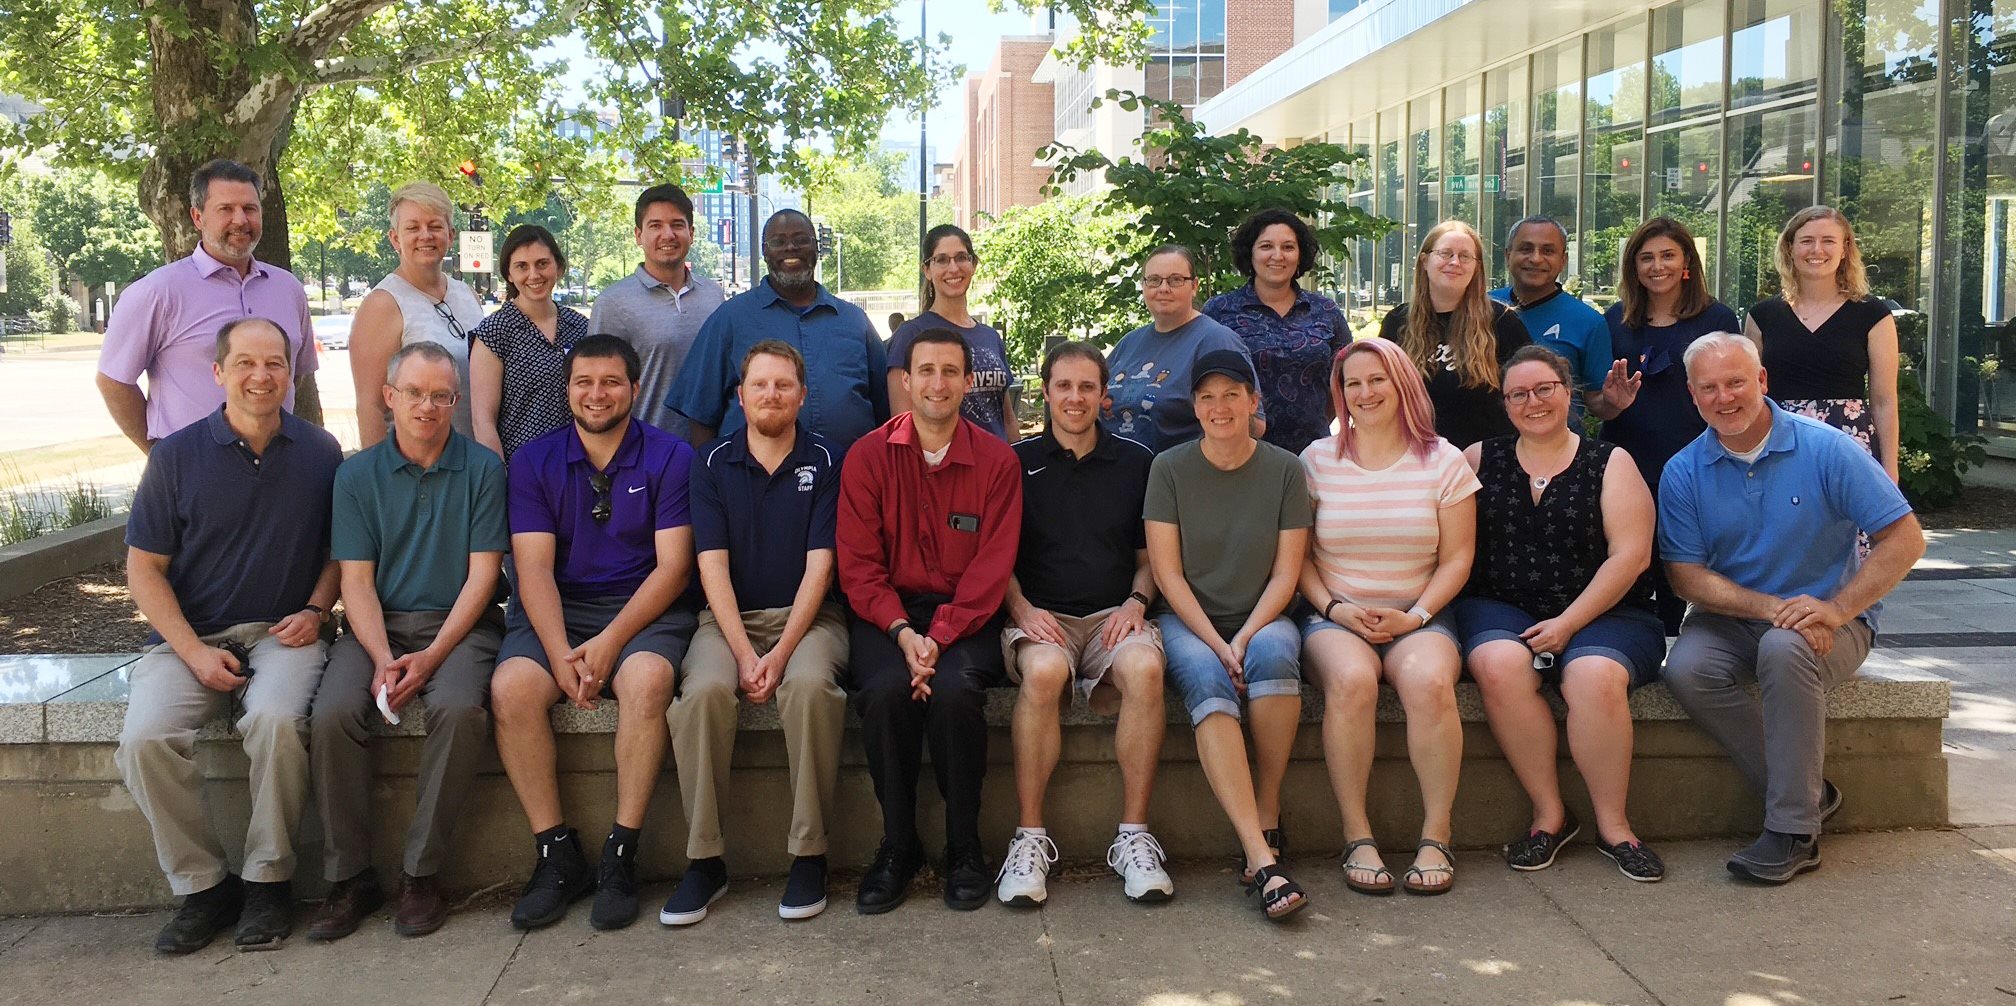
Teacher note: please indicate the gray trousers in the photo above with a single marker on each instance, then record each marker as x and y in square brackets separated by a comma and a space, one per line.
[1777, 737]
[165, 708]
[458, 727]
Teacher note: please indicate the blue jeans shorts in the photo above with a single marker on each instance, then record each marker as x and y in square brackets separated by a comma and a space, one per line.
[1273, 667]
[1630, 636]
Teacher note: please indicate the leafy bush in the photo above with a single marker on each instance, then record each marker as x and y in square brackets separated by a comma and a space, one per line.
[1930, 456]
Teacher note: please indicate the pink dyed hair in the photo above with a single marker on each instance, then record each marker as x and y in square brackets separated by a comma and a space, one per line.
[1417, 413]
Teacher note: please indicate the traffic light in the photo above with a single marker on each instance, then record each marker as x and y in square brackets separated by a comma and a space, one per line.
[825, 241]
[6, 228]
[468, 169]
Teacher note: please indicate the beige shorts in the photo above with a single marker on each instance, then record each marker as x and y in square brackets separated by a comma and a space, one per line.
[1089, 656]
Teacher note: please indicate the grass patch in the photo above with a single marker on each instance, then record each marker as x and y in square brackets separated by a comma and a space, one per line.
[27, 512]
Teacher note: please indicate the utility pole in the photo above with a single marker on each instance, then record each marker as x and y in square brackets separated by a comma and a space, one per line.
[755, 224]
[923, 127]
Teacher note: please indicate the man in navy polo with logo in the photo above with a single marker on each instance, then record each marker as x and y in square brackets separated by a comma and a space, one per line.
[1758, 523]
[1536, 254]
[764, 499]
[227, 556]
[603, 547]
[848, 393]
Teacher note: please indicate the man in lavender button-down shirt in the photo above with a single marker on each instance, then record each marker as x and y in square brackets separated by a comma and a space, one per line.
[165, 326]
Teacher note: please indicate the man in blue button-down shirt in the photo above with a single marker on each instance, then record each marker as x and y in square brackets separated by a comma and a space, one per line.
[1757, 525]
[847, 395]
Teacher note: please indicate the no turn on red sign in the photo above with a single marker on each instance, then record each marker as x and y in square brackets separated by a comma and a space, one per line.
[476, 251]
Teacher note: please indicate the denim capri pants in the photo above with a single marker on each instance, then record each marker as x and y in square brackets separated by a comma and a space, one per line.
[1273, 666]
[1631, 636]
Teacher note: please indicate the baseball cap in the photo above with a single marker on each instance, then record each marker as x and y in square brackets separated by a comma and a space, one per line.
[1229, 362]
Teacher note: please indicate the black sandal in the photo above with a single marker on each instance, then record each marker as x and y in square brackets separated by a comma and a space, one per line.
[1281, 902]
[1277, 843]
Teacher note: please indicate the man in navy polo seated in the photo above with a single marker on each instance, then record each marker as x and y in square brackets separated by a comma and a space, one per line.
[764, 500]
[604, 550]
[1758, 520]
[848, 393]
[418, 530]
[228, 559]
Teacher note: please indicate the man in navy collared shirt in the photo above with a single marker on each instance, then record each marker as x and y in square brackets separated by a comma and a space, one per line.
[1757, 524]
[764, 499]
[847, 395]
[604, 549]
[228, 559]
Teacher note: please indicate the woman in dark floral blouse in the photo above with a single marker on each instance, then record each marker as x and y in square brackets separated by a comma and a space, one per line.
[1291, 334]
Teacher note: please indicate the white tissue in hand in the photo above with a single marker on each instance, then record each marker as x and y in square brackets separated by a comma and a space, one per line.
[385, 708]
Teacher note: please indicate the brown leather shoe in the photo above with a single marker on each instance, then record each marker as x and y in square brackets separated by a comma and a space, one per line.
[421, 907]
[349, 903]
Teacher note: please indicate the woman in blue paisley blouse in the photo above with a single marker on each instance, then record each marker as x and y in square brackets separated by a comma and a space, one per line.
[1291, 333]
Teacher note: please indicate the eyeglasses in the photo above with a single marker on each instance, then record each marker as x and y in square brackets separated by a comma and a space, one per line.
[959, 258]
[1157, 282]
[438, 399]
[454, 323]
[1446, 255]
[1542, 391]
[600, 483]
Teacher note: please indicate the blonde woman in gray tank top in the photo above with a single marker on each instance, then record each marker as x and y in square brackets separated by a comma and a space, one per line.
[417, 302]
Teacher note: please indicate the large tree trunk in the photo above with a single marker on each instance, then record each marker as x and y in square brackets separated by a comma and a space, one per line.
[208, 108]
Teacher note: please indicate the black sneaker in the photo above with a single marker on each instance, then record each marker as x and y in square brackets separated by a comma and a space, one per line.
[1634, 860]
[706, 880]
[887, 882]
[804, 889]
[1776, 858]
[202, 916]
[268, 917]
[559, 879]
[615, 888]
[1537, 850]
[968, 881]
[1830, 800]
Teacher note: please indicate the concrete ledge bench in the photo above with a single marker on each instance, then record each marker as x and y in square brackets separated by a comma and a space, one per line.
[77, 842]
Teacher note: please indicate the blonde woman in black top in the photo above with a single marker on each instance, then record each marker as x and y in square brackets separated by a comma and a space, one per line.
[1829, 349]
[1456, 334]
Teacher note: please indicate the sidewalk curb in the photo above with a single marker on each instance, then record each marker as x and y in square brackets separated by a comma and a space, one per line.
[26, 566]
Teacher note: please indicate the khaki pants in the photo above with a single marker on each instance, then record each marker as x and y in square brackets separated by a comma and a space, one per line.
[809, 702]
[157, 756]
[458, 728]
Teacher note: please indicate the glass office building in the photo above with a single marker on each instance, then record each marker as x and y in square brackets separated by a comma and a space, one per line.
[1727, 114]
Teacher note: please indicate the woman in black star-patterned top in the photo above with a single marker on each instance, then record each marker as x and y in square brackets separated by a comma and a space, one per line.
[1559, 592]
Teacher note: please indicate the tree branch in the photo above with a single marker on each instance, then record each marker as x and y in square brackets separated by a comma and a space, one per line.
[324, 25]
[367, 68]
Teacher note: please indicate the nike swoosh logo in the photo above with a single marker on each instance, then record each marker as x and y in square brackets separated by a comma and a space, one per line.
[635, 489]
[1033, 471]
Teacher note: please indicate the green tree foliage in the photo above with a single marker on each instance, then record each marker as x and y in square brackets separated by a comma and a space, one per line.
[91, 224]
[875, 215]
[1193, 188]
[1046, 270]
[30, 277]
[1931, 457]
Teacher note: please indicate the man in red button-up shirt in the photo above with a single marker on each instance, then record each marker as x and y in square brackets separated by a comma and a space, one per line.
[930, 516]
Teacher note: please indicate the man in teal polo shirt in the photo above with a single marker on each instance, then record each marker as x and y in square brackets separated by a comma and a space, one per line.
[1757, 525]
[418, 529]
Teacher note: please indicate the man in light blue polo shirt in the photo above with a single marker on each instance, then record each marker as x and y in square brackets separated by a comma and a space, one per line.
[848, 394]
[1536, 254]
[1758, 521]
[417, 527]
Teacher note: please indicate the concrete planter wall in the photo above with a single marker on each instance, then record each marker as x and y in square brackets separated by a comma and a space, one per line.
[27, 565]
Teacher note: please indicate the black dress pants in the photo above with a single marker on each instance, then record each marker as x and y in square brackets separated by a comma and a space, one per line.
[895, 726]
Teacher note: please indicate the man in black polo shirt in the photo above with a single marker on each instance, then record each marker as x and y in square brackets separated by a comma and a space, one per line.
[1078, 609]
[763, 502]
[228, 559]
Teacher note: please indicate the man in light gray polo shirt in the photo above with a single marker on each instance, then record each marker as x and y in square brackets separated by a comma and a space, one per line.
[659, 308]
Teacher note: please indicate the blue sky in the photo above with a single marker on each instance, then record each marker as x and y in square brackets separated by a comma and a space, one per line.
[973, 30]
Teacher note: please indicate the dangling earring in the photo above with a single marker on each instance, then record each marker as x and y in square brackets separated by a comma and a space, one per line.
[1684, 274]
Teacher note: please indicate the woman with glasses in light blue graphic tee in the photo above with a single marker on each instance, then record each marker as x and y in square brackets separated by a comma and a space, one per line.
[1148, 396]
[948, 268]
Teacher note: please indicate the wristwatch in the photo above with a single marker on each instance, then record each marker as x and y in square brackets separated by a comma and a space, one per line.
[1421, 613]
[322, 615]
[1135, 595]
[896, 631]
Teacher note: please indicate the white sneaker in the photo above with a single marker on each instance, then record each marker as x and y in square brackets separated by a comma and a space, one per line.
[1026, 869]
[1137, 858]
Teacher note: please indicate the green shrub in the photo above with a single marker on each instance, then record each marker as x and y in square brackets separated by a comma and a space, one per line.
[1930, 456]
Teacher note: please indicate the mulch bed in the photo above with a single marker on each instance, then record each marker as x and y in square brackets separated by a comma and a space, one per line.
[87, 613]
[92, 612]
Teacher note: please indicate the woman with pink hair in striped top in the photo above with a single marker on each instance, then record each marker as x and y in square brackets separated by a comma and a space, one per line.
[1395, 524]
